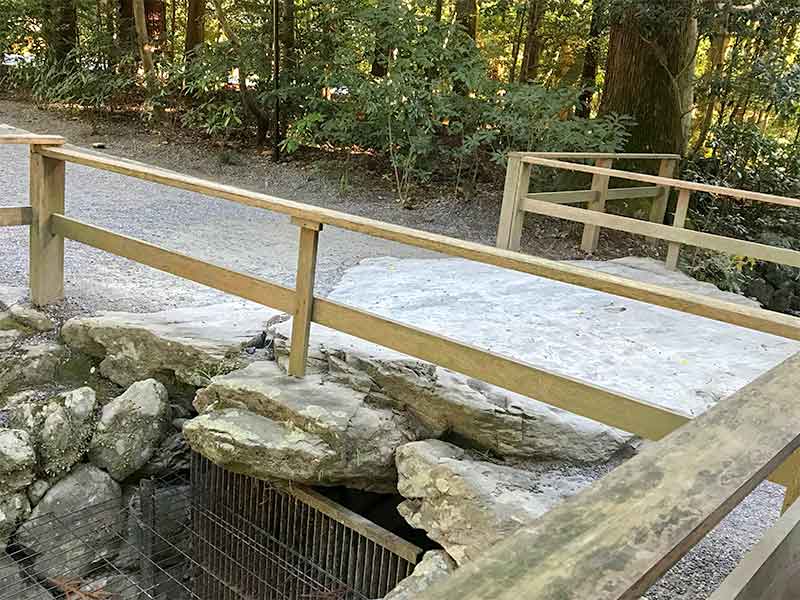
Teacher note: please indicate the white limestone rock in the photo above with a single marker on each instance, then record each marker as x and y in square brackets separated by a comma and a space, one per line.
[190, 344]
[28, 365]
[131, 428]
[467, 504]
[17, 461]
[435, 566]
[86, 500]
[14, 508]
[361, 436]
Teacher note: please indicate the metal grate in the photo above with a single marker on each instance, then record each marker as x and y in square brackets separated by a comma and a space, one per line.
[255, 539]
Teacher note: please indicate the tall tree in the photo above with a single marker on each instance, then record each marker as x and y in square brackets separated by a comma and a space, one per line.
[467, 16]
[533, 43]
[591, 59]
[195, 26]
[142, 36]
[650, 73]
[61, 28]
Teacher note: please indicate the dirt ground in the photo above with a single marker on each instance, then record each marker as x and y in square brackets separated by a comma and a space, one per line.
[316, 177]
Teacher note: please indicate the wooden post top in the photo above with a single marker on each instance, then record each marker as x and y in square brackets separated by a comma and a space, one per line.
[12, 135]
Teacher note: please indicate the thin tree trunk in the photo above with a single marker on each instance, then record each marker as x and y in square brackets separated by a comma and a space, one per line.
[533, 44]
[250, 104]
[590, 63]
[143, 39]
[288, 37]
[467, 16]
[437, 11]
[522, 11]
[652, 80]
[719, 47]
[195, 27]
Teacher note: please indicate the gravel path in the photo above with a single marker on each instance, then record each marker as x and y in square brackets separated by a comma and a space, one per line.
[264, 244]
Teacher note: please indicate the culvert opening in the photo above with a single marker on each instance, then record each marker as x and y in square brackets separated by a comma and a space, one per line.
[213, 535]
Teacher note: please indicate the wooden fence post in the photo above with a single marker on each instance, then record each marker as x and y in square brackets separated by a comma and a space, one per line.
[658, 210]
[674, 248]
[591, 233]
[518, 177]
[304, 295]
[46, 249]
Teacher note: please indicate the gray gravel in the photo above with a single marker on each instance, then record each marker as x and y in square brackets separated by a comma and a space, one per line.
[264, 244]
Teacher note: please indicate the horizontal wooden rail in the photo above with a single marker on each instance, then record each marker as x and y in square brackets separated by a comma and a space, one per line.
[12, 135]
[580, 196]
[728, 312]
[15, 215]
[614, 539]
[591, 401]
[598, 155]
[665, 232]
[665, 181]
[219, 278]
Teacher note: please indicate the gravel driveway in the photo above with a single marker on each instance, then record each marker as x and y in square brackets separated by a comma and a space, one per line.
[265, 244]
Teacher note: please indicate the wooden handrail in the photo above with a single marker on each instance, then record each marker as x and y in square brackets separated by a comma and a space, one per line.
[719, 310]
[12, 135]
[614, 539]
[15, 215]
[595, 155]
[665, 181]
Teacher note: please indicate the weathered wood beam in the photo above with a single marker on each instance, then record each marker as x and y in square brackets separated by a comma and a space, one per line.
[15, 215]
[612, 541]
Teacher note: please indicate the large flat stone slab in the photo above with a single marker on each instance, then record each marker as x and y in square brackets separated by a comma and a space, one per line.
[192, 344]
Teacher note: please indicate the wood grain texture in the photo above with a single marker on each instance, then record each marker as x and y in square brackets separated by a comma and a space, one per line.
[728, 312]
[512, 217]
[665, 181]
[612, 541]
[12, 216]
[674, 248]
[676, 235]
[304, 296]
[591, 233]
[46, 248]
[219, 278]
[658, 210]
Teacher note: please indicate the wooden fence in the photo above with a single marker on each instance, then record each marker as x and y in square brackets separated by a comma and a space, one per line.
[517, 201]
[49, 227]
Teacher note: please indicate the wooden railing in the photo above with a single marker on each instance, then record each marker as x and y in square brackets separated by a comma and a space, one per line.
[517, 201]
[49, 227]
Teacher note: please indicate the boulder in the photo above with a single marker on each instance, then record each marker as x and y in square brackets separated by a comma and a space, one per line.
[30, 365]
[185, 345]
[30, 318]
[467, 505]
[67, 428]
[17, 461]
[14, 508]
[59, 427]
[130, 429]
[359, 436]
[87, 501]
[434, 566]
[14, 585]
[247, 443]
[37, 490]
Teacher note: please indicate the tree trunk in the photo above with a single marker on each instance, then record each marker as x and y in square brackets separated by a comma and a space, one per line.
[288, 37]
[467, 16]
[437, 11]
[521, 12]
[533, 44]
[195, 27]
[590, 63]
[62, 29]
[143, 39]
[717, 51]
[652, 80]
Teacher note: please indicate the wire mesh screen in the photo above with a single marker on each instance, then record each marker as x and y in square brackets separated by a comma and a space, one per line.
[256, 540]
